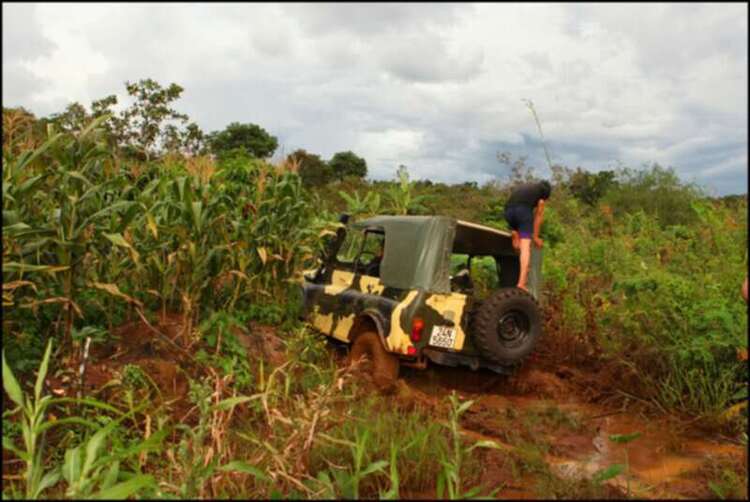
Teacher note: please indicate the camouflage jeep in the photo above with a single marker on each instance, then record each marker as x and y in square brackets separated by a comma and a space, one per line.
[385, 286]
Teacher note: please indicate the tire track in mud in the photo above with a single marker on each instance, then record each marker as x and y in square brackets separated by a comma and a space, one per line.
[544, 421]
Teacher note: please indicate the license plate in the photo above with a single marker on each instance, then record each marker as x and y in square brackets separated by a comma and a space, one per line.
[443, 336]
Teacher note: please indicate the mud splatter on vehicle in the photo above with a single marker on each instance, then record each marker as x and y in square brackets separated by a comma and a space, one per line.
[390, 277]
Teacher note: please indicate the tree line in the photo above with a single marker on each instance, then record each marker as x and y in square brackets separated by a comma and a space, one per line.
[150, 128]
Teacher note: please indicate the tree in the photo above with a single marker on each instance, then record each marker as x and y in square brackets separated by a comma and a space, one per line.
[193, 140]
[74, 118]
[146, 117]
[348, 164]
[312, 169]
[655, 190]
[520, 171]
[589, 187]
[149, 126]
[250, 138]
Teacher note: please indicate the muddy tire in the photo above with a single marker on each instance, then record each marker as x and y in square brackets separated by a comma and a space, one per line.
[507, 325]
[382, 365]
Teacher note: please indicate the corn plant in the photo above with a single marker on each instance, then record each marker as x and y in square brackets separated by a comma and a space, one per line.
[34, 425]
[393, 491]
[91, 474]
[347, 480]
[59, 217]
[449, 477]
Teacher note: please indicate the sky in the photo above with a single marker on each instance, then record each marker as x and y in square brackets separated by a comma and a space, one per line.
[439, 88]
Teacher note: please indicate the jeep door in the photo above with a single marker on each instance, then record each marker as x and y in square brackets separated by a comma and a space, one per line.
[335, 302]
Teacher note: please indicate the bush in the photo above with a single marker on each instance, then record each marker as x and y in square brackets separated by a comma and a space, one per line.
[657, 191]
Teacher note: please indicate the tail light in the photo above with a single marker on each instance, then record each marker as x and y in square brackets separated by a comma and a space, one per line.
[417, 325]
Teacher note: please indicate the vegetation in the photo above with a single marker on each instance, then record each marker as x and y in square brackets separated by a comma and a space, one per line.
[345, 164]
[313, 171]
[130, 233]
[250, 139]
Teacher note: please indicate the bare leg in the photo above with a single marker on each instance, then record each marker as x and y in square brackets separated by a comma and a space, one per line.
[516, 241]
[524, 259]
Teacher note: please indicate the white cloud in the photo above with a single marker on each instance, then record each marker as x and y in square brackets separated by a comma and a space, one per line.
[437, 87]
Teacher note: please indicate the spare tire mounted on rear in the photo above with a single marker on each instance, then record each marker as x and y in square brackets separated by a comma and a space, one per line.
[507, 326]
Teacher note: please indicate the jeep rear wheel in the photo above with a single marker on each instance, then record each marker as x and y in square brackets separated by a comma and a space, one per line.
[507, 326]
[382, 365]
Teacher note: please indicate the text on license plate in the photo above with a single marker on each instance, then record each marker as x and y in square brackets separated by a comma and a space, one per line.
[443, 336]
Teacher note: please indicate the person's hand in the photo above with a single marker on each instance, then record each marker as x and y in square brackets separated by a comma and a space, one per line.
[538, 242]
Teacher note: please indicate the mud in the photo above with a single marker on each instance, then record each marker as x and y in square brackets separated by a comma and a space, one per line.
[164, 366]
[554, 437]
[262, 342]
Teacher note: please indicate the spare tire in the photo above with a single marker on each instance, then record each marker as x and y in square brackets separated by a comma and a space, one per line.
[507, 325]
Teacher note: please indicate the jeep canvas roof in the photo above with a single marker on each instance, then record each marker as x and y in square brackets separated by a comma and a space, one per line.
[418, 248]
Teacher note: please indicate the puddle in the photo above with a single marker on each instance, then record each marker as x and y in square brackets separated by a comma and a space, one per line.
[663, 462]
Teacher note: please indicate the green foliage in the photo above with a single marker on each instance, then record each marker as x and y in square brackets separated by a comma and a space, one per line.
[93, 474]
[588, 187]
[74, 118]
[267, 314]
[146, 128]
[89, 241]
[346, 482]
[145, 121]
[313, 170]
[344, 164]
[726, 481]
[416, 437]
[657, 191]
[228, 354]
[608, 473]
[673, 289]
[402, 197]
[449, 480]
[250, 139]
[369, 205]
[84, 467]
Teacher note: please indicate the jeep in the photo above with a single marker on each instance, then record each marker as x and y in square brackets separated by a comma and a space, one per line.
[385, 285]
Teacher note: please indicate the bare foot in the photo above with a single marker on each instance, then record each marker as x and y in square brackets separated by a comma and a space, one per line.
[523, 287]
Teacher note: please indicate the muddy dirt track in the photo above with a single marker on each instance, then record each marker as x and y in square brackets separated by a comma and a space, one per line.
[550, 420]
[545, 418]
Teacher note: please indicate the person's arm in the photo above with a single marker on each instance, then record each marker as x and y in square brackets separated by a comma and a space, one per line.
[538, 219]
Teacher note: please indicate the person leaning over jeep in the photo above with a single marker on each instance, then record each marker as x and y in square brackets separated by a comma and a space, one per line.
[524, 212]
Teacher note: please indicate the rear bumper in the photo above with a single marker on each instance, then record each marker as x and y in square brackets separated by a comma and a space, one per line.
[473, 362]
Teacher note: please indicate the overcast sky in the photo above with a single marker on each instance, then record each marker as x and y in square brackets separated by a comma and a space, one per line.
[437, 87]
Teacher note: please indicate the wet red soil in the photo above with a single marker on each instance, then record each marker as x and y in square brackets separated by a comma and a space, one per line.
[553, 413]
